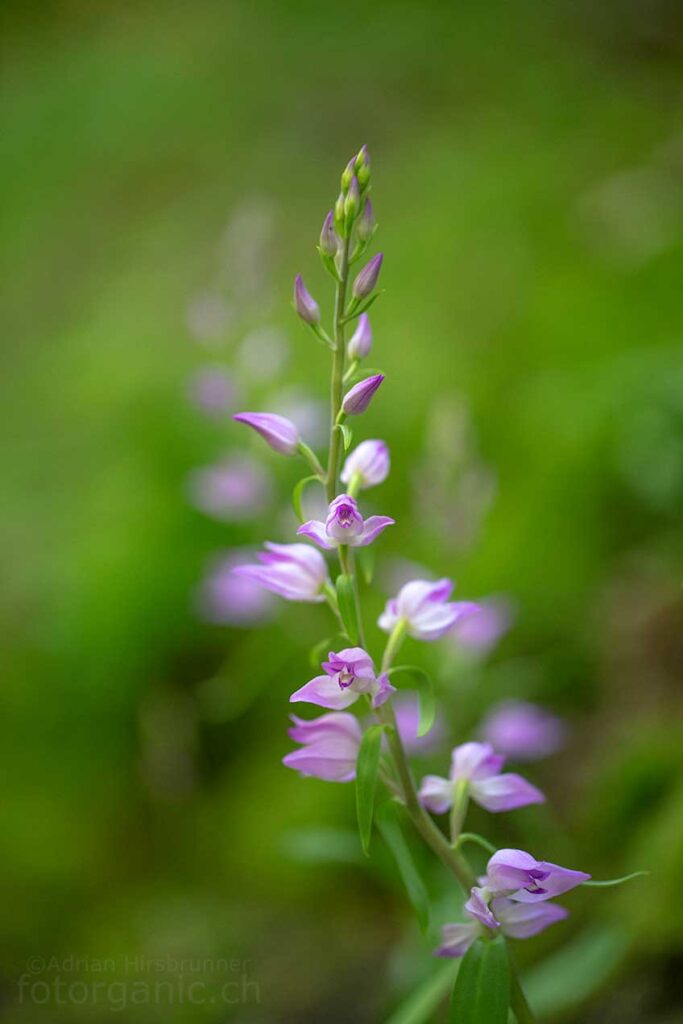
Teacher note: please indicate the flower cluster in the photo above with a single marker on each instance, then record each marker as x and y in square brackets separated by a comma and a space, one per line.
[513, 898]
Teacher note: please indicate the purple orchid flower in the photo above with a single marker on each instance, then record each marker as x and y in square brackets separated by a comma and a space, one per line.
[424, 607]
[304, 303]
[358, 398]
[360, 342]
[519, 876]
[280, 433]
[330, 747]
[523, 731]
[344, 525]
[516, 920]
[369, 462]
[348, 674]
[479, 767]
[294, 571]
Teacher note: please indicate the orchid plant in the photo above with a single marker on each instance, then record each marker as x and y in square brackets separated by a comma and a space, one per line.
[513, 900]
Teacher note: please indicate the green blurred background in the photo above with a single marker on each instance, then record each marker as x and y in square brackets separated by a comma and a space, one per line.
[527, 163]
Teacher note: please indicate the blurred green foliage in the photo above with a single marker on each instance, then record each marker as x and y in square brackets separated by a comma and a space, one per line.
[527, 162]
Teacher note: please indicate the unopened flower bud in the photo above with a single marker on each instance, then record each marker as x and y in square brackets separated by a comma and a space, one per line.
[352, 201]
[361, 340]
[362, 166]
[347, 174]
[359, 397]
[304, 303]
[366, 222]
[369, 463]
[339, 214]
[277, 431]
[367, 279]
[328, 236]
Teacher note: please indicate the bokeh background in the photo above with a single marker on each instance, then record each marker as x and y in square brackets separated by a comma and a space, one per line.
[165, 170]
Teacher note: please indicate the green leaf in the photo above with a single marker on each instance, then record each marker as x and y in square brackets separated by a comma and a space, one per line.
[346, 433]
[616, 881]
[423, 1002]
[481, 994]
[347, 606]
[390, 829]
[366, 561]
[367, 767]
[425, 688]
[297, 496]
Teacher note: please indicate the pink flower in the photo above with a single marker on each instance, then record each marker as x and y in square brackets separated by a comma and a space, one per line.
[329, 747]
[344, 525]
[424, 607]
[369, 462]
[516, 920]
[280, 433]
[476, 765]
[294, 571]
[348, 674]
[520, 876]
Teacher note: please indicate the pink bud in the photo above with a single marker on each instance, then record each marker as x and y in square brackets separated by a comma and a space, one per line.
[361, 340]
[359, 397]
[304, 303]
[367, 279]
[280, 433]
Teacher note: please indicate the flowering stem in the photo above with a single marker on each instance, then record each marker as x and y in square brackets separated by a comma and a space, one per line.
[337, 387]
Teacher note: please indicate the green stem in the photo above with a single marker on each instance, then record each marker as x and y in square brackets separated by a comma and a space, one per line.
[337, 386]
[311, 458]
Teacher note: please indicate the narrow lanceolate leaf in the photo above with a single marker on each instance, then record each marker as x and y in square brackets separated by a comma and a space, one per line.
[481, 994]
[367, 767]
[388, 823]
[298, 494]
[347, 607]
[422, 682]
